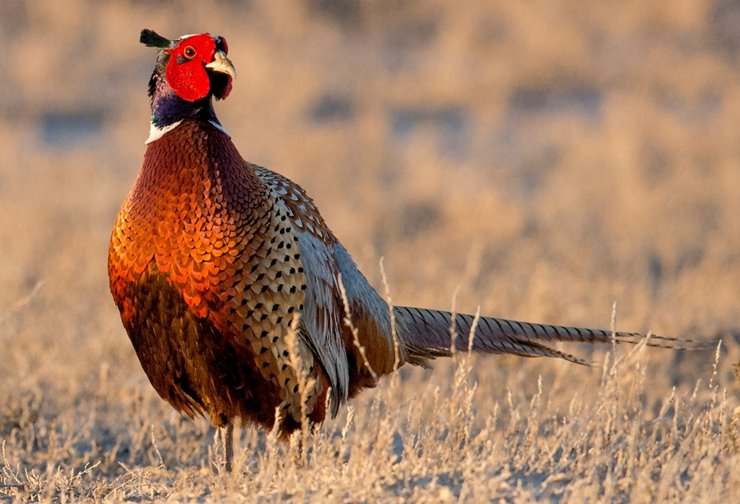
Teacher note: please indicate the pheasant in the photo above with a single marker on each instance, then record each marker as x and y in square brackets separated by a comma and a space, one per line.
[216, 264]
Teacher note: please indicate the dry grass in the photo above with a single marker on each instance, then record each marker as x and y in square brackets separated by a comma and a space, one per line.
[546, 157]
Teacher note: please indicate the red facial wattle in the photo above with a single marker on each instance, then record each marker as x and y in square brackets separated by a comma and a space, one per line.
[186, 72]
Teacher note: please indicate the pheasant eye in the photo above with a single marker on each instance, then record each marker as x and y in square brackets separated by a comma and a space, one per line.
[189, 52]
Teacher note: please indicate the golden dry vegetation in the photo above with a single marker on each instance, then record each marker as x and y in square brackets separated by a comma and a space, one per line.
[546, 158]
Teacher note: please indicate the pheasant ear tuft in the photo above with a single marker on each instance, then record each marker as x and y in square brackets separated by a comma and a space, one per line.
[150, 38]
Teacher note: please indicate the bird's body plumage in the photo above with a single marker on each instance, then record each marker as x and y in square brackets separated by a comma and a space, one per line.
[212, 259]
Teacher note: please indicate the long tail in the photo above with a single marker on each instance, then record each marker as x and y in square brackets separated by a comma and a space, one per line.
[426, 333]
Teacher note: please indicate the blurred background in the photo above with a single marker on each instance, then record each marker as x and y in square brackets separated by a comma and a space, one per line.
[547, 157]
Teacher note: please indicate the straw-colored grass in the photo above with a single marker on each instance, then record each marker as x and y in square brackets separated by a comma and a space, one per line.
[540, 159]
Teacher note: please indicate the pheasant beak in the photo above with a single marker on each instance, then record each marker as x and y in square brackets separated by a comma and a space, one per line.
[222, 64]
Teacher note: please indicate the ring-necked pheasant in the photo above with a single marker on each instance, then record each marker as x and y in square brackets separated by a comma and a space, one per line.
[212, 257]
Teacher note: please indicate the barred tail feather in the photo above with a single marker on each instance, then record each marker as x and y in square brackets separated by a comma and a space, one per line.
[426, 334]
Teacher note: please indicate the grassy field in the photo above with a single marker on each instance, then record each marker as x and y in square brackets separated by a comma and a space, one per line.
[542, 160]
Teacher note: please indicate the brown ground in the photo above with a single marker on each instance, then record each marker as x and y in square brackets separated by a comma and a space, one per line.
[547, 158]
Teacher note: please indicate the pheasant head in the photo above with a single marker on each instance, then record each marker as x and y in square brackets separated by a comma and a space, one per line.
[189, 71]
